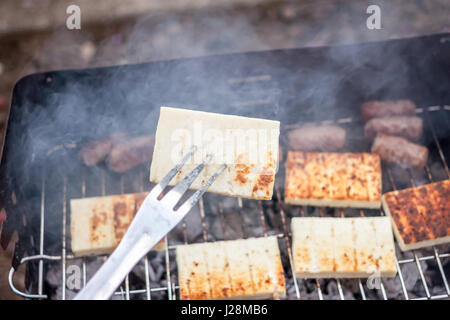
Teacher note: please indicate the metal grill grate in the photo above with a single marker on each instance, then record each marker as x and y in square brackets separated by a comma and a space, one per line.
[283, 213]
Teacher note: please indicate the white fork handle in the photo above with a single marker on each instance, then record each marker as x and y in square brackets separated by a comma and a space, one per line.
[114, 270]
[148, 227]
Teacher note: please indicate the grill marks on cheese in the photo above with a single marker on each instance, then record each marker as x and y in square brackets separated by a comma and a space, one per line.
[421, 216]
[342, 247]
[123, 211]
[231, 269]
[265, 180]
[333, 179]
[98, 224]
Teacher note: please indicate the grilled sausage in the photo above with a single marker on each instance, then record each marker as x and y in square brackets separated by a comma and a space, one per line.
[317, 138]
[96, 151]
[399, 150]
[129, 153]
[376, 109]
[408, 127]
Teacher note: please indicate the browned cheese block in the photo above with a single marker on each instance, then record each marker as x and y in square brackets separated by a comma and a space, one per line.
[333, 179]
[421, 215]
[99, 223]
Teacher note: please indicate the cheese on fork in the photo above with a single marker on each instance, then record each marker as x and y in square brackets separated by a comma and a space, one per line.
[237, 269]
[343, 247]
[421, 215]
[248, 146]
[99, 223]
[333, 179]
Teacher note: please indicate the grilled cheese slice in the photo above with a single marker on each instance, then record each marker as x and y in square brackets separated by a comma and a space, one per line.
[218, 270]
[365, 245]
[193, 271]
[333, 179]
[385, 248]
[303, 245]
[237, 269]
[344, 257]
[421, 215]
[99, 223]
[240, 269]
[342, 247]
[323, 245]
[267, 276]
[248, 146]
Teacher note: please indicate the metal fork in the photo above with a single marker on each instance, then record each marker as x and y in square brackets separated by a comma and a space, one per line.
[155, 218]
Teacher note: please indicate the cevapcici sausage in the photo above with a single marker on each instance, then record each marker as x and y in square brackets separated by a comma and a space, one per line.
[399, 150]
[376, 109]
[410, 128]
[129, 153]
[317, 138]
[96, 151]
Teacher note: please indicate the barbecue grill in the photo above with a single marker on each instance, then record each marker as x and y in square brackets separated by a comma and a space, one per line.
[54, 113]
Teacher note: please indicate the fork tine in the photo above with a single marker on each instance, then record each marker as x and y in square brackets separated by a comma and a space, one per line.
[174, 195]
[156, 191]
[199, 193]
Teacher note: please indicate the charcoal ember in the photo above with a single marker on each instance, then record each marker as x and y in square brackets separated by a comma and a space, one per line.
[308, 289]
[251, 218]
[128, 153]
[214, 228]
[332, 291]
[156, 275]
[290, 288]
[194, 232]
[73, 277]
[411, 278]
